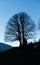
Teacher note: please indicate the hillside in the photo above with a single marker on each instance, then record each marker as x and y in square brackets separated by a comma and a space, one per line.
[4, 47]
[21, 55]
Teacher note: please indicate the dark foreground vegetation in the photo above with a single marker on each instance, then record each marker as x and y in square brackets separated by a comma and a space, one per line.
[23, 55]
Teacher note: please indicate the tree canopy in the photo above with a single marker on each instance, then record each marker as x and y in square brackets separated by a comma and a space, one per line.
[19, 27]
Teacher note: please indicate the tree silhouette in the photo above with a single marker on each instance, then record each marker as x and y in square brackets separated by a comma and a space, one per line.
[19, 27]
[39, 24]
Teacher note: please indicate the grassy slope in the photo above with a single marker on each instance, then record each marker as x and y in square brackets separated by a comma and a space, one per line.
[21, 55]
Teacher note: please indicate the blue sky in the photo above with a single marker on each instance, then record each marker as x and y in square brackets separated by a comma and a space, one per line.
[10, 7]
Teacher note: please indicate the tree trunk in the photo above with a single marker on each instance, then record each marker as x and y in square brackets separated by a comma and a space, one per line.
[23, 42]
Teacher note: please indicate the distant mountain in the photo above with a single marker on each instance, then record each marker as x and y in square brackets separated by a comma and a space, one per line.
[4, 47]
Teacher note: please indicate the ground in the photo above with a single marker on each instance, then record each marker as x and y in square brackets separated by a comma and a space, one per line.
[21, 55]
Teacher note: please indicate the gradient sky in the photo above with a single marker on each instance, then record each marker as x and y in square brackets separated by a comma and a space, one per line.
[10, 7]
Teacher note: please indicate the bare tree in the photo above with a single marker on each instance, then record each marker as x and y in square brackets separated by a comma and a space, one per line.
[39, 25]
[19, 27]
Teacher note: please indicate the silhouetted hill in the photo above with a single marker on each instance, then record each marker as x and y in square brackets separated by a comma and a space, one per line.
[4, 47]
[22, 55]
